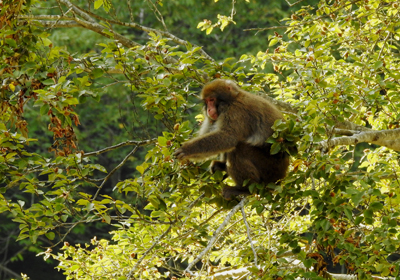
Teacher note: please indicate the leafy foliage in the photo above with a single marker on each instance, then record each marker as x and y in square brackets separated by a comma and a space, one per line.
[334, 73]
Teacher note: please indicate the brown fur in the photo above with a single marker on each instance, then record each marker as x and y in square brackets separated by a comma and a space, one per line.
[240, 131]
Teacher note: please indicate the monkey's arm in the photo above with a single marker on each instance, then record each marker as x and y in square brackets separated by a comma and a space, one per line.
[207, 145]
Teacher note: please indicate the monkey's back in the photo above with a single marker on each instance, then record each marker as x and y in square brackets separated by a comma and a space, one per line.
[254, 117]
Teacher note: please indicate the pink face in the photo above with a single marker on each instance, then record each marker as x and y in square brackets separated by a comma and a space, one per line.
[212, 108]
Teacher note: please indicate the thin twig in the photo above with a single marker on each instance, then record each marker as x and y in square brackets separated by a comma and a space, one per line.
[147, 252]
[295, 3]
[248, 236]
[383, 45]
[267, 28]
[68, 231]
[114, 170]
[157, 13]
[233, 12]
[123, 144]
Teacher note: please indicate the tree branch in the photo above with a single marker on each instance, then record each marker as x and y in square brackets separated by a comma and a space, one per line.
[70, 22]
[248, 236]
[352, 126]
[10, 272]
[387, 138]
[77, 11]
[356, 133]
[52, 24]
[216, 234]
[267, 28]
[89, 23]
[114, 170]
[123, 144]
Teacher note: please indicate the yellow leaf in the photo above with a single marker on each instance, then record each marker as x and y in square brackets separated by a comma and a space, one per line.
[199, 118]
[140, 169]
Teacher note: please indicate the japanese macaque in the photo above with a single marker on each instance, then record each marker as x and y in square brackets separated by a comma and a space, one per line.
[237, 125]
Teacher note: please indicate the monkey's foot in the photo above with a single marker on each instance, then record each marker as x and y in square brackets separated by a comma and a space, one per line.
[229, 193]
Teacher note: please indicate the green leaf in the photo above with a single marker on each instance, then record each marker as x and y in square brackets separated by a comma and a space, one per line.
[107, 219]
[97, 73]
[48, 82]
[308, 262]
[378, 64]
[259, 209]
[71, 101]
[275, 148]
[11, 42]
[99, 167]
[50, 235]
[154, 201]
[358, 220]
[348, 213]
[44, 109]
[376, 206]
[368, 213]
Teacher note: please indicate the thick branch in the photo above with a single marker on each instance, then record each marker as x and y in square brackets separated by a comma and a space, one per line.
[386, 138]
[356, 133]
[78, 11]
[53, 24]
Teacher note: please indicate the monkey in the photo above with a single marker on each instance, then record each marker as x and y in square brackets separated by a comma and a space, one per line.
[237, 125]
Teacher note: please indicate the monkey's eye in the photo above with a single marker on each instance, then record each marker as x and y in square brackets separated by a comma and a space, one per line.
[211, 101]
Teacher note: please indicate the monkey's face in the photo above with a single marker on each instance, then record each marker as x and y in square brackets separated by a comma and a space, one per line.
[211, 108]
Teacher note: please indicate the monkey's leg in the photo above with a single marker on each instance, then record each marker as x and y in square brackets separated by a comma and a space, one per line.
[243, 170]
[240, 169]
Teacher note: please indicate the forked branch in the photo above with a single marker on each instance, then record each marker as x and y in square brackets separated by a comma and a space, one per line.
[216, 234]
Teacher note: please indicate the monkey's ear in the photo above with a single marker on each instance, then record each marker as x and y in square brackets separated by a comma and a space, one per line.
[232, 87]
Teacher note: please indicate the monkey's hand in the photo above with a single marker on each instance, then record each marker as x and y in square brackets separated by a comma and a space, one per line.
[217, 165]
[180, 154]
[229, 193]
